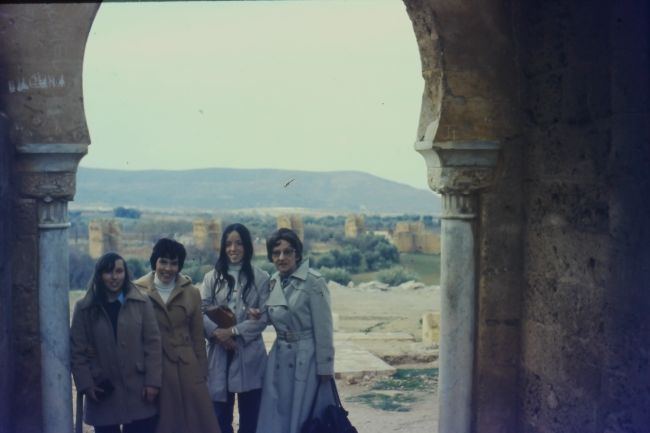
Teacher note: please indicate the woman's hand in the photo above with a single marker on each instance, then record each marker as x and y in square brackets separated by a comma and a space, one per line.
[224, 337]
[229, 344]
[92, 393]
[149, 393]
[324, 378]
[254, 313]
[223, 334]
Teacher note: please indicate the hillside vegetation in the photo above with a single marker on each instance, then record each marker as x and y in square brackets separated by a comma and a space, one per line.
[230, 189]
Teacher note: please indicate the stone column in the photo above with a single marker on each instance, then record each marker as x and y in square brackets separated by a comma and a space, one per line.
[458, 171]
[46, 174]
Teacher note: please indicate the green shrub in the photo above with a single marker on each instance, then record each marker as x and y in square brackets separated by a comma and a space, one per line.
[339, 275]
[396, 276]
[266, 266]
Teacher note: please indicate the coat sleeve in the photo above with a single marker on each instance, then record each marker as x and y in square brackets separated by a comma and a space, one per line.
[81, 351]
[196, 332]
[206, 300]
[152, 346]
[250, 329]
[321, 320]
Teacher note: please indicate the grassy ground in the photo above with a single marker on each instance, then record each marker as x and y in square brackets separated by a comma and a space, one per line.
[427, 266]
[399, 392]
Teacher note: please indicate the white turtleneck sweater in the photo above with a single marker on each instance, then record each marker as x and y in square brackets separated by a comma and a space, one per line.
[233, 271]
[163, 289]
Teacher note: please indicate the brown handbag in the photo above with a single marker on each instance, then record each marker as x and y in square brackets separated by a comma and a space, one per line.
[222, 316]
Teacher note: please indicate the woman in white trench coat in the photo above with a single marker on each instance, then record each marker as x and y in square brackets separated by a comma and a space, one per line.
[236, 355]
[303, 353]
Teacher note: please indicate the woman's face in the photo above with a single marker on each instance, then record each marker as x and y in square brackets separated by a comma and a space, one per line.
[284, 257]
[114, 280]
[234, 248]
[167, 269]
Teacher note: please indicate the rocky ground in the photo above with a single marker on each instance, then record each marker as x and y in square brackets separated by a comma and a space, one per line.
[408, 405]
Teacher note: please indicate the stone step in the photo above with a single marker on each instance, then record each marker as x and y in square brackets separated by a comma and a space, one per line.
[350, 360]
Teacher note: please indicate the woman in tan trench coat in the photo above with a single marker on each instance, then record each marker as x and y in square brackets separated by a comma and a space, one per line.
[115, 352]
[185, 405]
[302, 355]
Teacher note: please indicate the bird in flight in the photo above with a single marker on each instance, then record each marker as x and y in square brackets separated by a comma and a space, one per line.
[289, 182]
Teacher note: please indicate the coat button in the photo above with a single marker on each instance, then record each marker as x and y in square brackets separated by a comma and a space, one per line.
[288, 346]
[277, 365]
[290, 365]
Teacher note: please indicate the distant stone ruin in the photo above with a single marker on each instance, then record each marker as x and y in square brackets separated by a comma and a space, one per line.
[206, 234]
[412, 237]
[355, 225]
[293, 222]
[103, 236]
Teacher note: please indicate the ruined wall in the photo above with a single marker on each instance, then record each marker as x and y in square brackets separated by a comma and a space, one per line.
[206, 234]
[469, 63]
[6, 343]
[104, 236]
[412, 237]
[293, 222]
[585, 362]
[355, 225]
[41, 59]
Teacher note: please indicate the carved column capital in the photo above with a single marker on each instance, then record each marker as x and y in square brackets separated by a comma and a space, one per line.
[48, 170]
[53, 213]
[458, 170]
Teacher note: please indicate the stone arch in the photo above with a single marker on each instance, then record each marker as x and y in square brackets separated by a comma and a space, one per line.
[560, 238]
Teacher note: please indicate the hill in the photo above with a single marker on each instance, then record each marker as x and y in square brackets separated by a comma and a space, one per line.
[235, 189]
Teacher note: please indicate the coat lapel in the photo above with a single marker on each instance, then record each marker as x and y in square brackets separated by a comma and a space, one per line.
[147, 283]
[177, 290]
[277, 294]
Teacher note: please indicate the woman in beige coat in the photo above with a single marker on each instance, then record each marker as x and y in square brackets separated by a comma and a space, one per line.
[116, 352]
[185, 405]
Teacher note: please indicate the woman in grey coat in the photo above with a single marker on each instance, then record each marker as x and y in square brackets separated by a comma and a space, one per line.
[236, 355]
[116, 351]
[303, 352]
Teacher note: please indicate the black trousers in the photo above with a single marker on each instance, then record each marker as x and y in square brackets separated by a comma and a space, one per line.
[249, 407]
[147, 425]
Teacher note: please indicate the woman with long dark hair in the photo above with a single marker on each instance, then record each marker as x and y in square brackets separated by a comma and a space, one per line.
[116, 351]
[236, 354]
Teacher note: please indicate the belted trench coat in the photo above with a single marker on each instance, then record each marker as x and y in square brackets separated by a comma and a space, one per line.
[185, 405]
[249, 359]
[131, 361]
[302, 317]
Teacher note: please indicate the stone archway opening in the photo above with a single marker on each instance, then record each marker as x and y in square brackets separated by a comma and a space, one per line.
[94, 119]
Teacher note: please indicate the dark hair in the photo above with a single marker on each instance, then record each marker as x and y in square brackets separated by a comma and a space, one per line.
[221, 266]
[168, 249]
[288, 235]
[106, 263]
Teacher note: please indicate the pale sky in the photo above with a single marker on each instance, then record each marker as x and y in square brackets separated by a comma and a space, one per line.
[309, 85]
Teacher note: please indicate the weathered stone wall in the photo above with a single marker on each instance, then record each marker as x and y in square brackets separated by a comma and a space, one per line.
[469, 63]
[6, 334]
[355, 225]
[206, 234]
[412, 237]
[293, 222]
[41, 59]
[585, 362]
[104, 236]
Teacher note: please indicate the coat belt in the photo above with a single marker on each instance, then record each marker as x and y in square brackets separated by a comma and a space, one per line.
[294, 336]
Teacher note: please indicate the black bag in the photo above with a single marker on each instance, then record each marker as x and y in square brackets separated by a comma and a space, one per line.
[333, 419]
